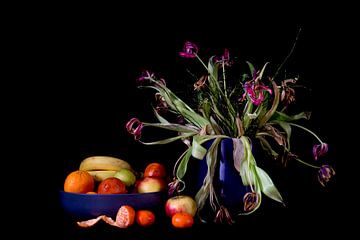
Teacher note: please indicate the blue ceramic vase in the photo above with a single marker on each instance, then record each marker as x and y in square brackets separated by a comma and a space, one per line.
[227, 181]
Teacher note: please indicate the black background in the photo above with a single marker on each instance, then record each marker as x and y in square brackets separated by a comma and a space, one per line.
[81, 91]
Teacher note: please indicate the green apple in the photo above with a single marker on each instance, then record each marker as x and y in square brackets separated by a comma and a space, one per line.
[126, 176]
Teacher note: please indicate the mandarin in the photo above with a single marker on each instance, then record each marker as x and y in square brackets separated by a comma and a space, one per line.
[182, 220]
[79, 181]
[145, 218]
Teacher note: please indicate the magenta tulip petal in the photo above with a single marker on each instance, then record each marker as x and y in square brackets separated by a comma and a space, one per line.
[320, 150]
[325, 173]
[190, 50]
[134, 127]
[255, 91]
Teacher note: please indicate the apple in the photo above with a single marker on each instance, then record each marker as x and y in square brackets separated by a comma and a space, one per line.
[111, 185]
[151, 184]
[155, 170]
[126, 176]
[180, 204]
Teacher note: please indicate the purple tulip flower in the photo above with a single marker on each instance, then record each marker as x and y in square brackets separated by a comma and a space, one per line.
[320, 150]
[324, 174]
[224, 59]
[145, 76]
[251, 200]
[134, 127]
[190, 50]
[255, 91]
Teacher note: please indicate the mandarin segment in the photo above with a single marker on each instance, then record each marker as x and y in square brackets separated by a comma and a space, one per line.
[125, 217]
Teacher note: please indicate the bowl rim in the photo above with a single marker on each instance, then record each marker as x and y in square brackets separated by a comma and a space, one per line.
[113, 194]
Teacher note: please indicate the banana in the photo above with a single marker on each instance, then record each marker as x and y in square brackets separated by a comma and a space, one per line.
[100, 175]
[103, 163]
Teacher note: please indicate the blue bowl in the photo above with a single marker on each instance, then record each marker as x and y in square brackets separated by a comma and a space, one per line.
[86, 206]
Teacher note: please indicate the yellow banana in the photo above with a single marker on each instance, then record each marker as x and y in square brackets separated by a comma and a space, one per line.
[100, 175]
[103, 163]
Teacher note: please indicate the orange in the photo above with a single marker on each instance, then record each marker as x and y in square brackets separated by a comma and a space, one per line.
[155, 170]
[79, 181]
[125, 216]
[111, 185]
[182, 220]
[145, 218]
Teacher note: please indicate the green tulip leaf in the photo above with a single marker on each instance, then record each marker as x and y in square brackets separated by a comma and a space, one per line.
[160, 118]
[267, 185]
[251, 67]
[182, 168]
[280, 116]
[287, 128]
[198, 151]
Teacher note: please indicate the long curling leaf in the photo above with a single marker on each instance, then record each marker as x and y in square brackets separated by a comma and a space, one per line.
[262, 179]
[173, 127]
[213, 77]
[256, 185]
[248, 160]
[211, 159]
[280, 116]
[287, 128]
[168, 140]
[204, 138]
[198, 151]
[181, 169]
[263, 70]
[267, 147]
[160, 118]
[256, 177]
[164, 94]
[188, 113]
[261, 109]
[247, 110]
[227, 124]
[274, 106]
[251, 67]
[267, 186]
[176, 104]
[206, 108]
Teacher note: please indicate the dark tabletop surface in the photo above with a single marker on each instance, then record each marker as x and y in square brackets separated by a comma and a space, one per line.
[309, 218]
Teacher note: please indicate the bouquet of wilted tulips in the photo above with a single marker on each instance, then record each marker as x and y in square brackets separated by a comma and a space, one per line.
[250, 108]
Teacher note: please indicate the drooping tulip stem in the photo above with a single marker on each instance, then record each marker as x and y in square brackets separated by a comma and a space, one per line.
[307, 164]
[202, 62]
[304, 128]
[223, 71]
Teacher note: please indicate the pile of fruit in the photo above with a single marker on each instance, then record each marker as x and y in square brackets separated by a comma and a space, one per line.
[110, 175]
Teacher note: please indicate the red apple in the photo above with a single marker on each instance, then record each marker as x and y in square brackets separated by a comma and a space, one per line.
[151, 184]
[135, 188]
[180, 204]
[155, 170]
